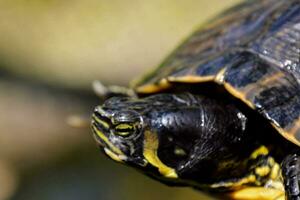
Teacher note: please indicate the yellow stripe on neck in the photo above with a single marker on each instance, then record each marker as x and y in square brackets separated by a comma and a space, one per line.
[150, 153]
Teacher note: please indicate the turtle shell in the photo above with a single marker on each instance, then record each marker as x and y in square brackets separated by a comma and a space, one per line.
[253, 51]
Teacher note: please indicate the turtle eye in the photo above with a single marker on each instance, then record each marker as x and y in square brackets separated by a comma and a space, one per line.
[125, 129]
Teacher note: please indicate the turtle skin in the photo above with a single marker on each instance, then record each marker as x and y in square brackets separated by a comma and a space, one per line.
[252, 51]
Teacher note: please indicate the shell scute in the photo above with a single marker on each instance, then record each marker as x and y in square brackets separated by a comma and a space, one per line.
[253, 52]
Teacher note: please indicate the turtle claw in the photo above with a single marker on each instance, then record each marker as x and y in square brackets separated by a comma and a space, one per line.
[100, 89]
[291, 176]
[105, 92]
[78, 121]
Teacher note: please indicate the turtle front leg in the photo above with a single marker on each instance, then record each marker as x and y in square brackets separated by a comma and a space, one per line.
[105, 92]
[291, 176]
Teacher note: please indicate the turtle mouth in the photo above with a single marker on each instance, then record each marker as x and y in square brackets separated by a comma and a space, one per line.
[101, 128]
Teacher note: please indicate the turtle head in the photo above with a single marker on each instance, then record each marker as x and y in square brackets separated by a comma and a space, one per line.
[134, 131]
[118, 130]
[172, 137]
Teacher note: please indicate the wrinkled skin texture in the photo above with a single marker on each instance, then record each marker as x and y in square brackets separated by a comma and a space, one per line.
[205, 133]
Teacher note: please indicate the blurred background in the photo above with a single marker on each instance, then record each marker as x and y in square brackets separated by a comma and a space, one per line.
[50, 52]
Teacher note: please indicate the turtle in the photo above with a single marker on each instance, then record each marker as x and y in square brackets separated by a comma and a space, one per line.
[221, 113]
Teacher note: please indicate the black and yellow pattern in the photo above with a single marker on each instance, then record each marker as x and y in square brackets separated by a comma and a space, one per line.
[213, 114]
[254, 52]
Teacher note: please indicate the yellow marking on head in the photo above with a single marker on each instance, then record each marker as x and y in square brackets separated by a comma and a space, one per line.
[100, 110]
[191, 79]
[112, 155]
[154, 87]
[103, 123]
[262, 150]
[150, 153]
[106, 140]
[257, 193]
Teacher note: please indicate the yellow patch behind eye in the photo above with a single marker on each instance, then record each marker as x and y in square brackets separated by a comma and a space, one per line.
[150, 153]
